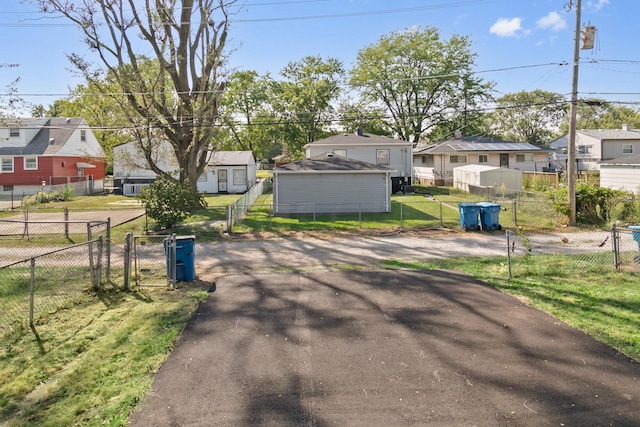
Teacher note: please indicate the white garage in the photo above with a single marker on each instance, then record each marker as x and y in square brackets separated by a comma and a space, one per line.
[621, 174]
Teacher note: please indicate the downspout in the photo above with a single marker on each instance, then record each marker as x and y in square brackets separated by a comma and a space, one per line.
[388, 194]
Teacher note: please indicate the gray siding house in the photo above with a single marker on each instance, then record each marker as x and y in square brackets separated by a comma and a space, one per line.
[329, 183]
[377, 150]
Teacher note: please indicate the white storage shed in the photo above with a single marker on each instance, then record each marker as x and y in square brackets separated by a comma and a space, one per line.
[501, 179]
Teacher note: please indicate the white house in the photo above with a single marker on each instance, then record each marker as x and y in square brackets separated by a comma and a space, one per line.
[226, 171]
[373, 149]
[434, 164]
[593, 146]
[329, 183]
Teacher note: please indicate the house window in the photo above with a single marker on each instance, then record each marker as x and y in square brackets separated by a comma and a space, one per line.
[585, 149]
[203, 177]
[83, 135]
[340, 152]
[14, 132]
[427, 160]
[627, 148]
[7, 164]
[460, 158]
[382, 157]
[483, 158]
[521, 158]
[239, 177]
[7, 188]
[30, 163]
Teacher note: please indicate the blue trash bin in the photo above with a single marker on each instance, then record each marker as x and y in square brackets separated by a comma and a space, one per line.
[635, 234]
[185, 258]
[490, 216]
[468, 216]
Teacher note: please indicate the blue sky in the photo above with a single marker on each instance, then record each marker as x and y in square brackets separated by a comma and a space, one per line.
[519, 37]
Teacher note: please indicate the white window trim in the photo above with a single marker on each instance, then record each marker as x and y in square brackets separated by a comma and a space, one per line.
[83, 135]
[244, 177]
[526, 157]
[2, 163]
[30, 158]
[483, 158]
[630, 146]
[388, 161]
[12, 131]
[340, 152]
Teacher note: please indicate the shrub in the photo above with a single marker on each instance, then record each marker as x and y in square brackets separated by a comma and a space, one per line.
[168, 201]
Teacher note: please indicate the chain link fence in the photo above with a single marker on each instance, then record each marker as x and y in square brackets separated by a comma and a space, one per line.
[47, 282]
[592, 252]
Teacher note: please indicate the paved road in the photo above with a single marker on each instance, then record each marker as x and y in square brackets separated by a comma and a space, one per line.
[384, 348]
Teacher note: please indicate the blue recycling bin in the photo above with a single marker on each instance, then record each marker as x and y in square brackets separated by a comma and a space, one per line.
[185, 258]
[468, 216]
[635, 234]
[490, 216]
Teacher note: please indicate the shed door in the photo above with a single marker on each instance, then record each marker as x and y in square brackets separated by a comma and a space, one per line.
[222, 180]
[504, 160]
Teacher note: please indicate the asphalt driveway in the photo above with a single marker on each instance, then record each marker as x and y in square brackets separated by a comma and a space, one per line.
[384, 348]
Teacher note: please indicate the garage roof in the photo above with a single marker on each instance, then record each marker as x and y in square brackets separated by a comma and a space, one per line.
[330, 162]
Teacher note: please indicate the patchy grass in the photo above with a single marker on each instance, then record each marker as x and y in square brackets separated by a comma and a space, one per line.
[603, 303]
[91, 363]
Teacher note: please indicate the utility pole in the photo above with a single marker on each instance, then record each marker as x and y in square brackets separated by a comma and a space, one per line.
[571, 146]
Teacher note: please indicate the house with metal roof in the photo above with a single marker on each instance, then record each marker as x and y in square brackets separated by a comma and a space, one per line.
[374, 149]
[434, 164]
[49, 154]
[330, 183]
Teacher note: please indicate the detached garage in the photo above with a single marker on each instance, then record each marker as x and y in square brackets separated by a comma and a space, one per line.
[473, 176]
[329, 183]
[621, 174]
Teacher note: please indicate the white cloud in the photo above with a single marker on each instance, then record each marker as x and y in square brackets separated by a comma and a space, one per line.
[504, 27]
[553, 21]
[598, 5]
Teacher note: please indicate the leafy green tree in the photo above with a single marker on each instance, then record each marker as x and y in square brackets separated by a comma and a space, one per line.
[101, 104]
[248, 122]
[421, 80]
[597, 113]
[177, 102]
[534, 117]
[304, 100]
[168, 202]
[358, 115]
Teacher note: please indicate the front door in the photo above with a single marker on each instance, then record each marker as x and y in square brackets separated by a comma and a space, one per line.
[222, 181]
[504, 160]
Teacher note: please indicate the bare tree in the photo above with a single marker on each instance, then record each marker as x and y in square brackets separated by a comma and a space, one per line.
[176, 98]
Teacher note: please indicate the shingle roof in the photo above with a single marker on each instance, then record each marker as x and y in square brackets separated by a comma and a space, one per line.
[355, 139]
[625, 160]
[330, 162]
[231, 158]
[51, 138]
[611, 133]
[474, 143]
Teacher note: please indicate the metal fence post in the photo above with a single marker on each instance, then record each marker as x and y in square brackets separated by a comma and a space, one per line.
[509, 252]
[172, 281]
[108, 241]
[614, 247]
[91, 267]
[514, 214]
[32, 287]
[127, 262]
[97, 275]
[66, 223]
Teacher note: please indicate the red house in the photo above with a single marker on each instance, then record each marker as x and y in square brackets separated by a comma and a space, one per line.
[50, 154]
